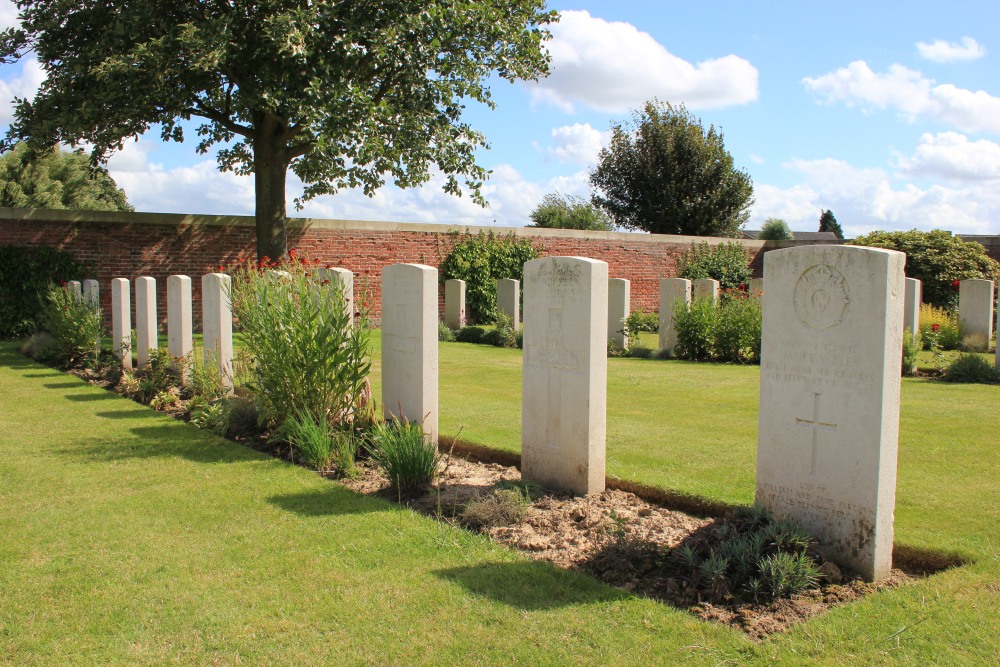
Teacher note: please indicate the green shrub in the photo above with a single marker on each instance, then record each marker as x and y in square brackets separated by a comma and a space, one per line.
[738, 329]
[911, 348]
[242, 416]
[775, 229]
[479, 260]
[26, 274]
[445, 334]
[75, 324]
[937, 259]
[204, 381]
[208, 416]
[308, 359]
[503, 335]
[470, 335]
[972, 368]
[727, 262]
[639, 352]
[947, 335]
[313, 440]
[695, 326]
[640, 321]
[409, 461]
[41, 346]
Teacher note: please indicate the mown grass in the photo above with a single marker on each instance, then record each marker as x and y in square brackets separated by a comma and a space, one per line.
[129, 537]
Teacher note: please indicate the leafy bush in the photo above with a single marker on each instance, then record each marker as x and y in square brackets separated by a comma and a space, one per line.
[308, 359]
[738, 329]
[639, 321]
[775, 229]
[470, 335]
[41, 346]
[502, 507]
[445, 334]
[503, 335]
[26, 274]
[208, 416]
[409, 461]
[639, 352]
[972, 368]
[728, 262]
[204, 380]
[570, 212]
[937, 259]
[479, 261]
[695, 326]
[75, 324]
[242, 416]
[947, 335]
[911, 348]
[752, 555]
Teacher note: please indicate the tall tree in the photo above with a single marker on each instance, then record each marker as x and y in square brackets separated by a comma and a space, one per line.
[569, 212]
[828, 223]
[57, 179]
[345, 94]
[664, 173]
[775, 229]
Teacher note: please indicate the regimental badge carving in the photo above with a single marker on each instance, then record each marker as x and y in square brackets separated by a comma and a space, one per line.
[821, 297]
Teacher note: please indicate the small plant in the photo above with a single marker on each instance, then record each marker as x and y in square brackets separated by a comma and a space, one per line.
[972, 368]
[911, 348]
[163, 400]
[738, 325]
[41, 346]
[445, 334]
[204, 380]
[695, 326]
[470, 335]
[345, 452]
[503, 335]
[312, 440]
[976, 342]
[501, 507]
[640, 352]
[209, 416]
[242, 416]
[940, 328]
[728, 262]
[639, 321]
[409, 461]
[75, 324]
[784, 574]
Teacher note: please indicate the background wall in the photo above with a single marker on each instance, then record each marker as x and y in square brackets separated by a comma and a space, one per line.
[128, 245]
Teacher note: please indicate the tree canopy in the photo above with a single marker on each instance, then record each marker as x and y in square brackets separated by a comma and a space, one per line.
[664, 173]
[345, 94]
[569, 212]
[828, 223]
[775, 229]
[57, 179]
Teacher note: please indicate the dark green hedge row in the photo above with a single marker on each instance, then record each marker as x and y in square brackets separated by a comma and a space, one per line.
[25, 275]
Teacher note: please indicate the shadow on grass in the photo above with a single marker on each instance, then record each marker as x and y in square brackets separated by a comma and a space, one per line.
[329, 501]
[123, 414]
[85, 398]
[63, 385]
[170, 439]
[530, 586]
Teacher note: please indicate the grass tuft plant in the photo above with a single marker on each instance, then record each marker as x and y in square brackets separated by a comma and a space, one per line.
[75, 324]
[501, 507]
[972, 368]
[409, 461]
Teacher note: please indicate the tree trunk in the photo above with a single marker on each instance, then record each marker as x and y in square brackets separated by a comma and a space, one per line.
[270, 159]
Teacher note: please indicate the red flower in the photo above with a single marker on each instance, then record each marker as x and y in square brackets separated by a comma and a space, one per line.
[935, 326]
[61, 283]
[956, 283]
[293, 252]
[743, 287]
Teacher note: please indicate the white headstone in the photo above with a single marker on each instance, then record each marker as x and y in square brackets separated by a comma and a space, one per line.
[75, 289]
[829, 397]
[565, 372]
[180, 341]
[509, 299]
[911, 306]
[619, 307]
[756, 288]
[341, 280]
[410, 345]
[454, 303]
[705, 288]
[217, 324]
[92, 292]
[671, 291]
[975, 307]
[997, 329]
[145, 319]
[121, 321]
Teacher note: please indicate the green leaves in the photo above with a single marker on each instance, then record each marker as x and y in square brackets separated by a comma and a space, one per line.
[665, 174]
[557, 211]
[57, 179]
[479, 261]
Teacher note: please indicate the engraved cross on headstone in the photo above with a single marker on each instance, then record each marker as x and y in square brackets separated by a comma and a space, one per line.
[816, 426]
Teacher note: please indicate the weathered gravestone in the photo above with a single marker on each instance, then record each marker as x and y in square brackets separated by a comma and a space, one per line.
[454, 303]
[121, 321]
[829, 397]
[565, 370]
[92, 293]
[180, 341]
[911, 307]
[76, 289]
[619, 306]
[705, 288]
[409, 345]
[217, 323]
[341, 280]
[975, 307]
[145, 319]
[672, 290]
[509, 299]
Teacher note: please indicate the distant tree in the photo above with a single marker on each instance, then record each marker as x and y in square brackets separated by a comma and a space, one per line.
[775, 229]
[569, 212]
[344, 94]
[57, 179]
[828, 223]
[664, 173]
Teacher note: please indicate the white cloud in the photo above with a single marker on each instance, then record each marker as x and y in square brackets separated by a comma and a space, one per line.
[613, 66]
[8, 15]
[868, 199]
[756, 159]
[952, 156]
[25, 86]
[940, 51]
[578, 143]
[909, 92]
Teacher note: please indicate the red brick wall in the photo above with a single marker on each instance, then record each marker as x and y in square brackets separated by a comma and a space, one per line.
[123, 245]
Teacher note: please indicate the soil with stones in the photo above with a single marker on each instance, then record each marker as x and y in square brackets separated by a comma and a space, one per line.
[616, 537]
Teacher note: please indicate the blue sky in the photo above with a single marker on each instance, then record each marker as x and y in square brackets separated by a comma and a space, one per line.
[886, 113]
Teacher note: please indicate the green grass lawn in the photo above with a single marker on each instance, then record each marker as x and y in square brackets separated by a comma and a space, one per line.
[130, 537]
